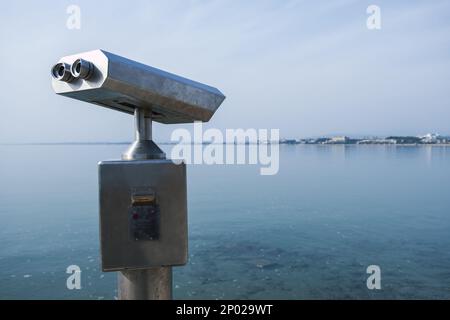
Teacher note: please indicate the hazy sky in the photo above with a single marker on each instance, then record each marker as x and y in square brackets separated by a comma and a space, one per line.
[306, 67]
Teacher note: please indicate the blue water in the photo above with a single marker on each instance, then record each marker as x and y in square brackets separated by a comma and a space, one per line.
[307, 233]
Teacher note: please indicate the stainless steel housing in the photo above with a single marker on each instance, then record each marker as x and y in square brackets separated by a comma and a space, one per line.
[121, 84]
[121, 183]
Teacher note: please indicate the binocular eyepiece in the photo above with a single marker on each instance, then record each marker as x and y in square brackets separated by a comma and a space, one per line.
[80, 69]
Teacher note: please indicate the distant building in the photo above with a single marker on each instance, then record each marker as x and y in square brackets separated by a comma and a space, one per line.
[405, 139]
[339, 140]
[444, 140]
[321, 140]
[377, 141]
[430, 138]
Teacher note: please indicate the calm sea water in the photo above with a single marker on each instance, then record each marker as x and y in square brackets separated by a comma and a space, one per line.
[307, 233]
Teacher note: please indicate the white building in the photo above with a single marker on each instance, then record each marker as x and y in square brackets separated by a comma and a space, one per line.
[338, 140]
[430, 138]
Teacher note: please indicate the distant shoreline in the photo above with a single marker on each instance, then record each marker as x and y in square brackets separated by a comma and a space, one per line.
[430, 139]
[253, 143]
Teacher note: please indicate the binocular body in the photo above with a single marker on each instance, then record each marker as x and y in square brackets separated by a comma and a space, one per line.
[111, 81]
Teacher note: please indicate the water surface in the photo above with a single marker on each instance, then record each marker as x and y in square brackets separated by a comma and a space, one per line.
[307, 233]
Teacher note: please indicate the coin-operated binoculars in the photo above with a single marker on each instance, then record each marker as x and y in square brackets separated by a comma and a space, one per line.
[143, 202]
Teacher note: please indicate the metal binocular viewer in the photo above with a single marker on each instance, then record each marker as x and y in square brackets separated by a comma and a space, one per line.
[143, 198]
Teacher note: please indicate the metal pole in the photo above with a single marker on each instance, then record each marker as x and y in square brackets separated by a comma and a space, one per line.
[143, 148]
[147, 284]
[143, 124]
[153, 283]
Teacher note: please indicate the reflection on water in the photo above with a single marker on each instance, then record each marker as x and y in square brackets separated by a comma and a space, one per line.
[308, 232]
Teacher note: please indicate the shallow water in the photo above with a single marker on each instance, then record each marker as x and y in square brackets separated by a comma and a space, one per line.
[307, 233]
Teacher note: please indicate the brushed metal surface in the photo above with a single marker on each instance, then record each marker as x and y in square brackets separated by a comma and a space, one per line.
[143, 147]
[117, 180]
[122, 84]
[147, 284]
